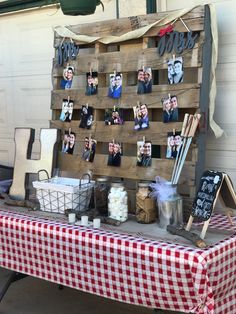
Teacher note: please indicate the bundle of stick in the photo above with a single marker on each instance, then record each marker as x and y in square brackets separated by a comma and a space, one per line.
[189, 128]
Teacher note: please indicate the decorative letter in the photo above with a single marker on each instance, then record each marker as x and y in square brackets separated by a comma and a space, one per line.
[24, 139]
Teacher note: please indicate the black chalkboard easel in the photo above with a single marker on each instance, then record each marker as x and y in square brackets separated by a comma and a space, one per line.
[213, 185]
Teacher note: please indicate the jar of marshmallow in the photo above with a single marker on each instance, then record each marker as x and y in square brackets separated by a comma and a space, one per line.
[118, 202]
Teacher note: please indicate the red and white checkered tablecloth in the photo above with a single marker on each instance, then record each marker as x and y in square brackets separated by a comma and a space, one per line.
[139, 271]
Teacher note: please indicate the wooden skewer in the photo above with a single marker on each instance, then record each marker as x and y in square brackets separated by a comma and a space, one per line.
[185, 135]
[229, 213]
[186, 116]
[191, 133]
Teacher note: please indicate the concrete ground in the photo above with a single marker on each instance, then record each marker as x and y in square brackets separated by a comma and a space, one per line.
[35, 296]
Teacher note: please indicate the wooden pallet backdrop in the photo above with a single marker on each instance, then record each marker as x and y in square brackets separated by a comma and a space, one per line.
[127, 57]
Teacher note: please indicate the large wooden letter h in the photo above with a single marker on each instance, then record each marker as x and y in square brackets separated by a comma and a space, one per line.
[24, 139]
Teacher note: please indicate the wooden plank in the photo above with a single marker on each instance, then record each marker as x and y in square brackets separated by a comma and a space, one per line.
[157, 133]
[188, 97]
[204, 94]
[129, 61]
[123, 25]
[128, 168]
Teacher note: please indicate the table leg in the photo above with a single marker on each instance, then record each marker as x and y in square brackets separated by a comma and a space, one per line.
[14, 276]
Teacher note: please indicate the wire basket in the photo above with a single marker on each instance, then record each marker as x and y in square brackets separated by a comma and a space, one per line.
[59, 193]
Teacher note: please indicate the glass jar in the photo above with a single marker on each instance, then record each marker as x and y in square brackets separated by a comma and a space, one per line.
[118, 202]
[170, 207]
[102, 187]
[145, 205]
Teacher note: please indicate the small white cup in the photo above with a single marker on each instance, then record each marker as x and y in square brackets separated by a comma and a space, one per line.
[96, 223]
[71, 218]
[84, 221]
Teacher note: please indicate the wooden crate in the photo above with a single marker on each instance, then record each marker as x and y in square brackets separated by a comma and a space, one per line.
[127, 57]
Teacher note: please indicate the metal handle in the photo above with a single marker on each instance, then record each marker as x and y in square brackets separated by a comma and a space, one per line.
[83, 176]
[100, 2]
[45, 171]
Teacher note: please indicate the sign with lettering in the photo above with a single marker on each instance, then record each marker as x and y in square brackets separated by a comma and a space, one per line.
[67, 51]
[213, 185]
[209, 188]
[176, 42]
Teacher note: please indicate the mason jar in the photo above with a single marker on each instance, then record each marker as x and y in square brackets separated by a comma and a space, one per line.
[118, 202]
[102, 187]
[145, 205]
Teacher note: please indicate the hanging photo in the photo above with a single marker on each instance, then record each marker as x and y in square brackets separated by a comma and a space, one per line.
[71, 143]
[65, 142]
[141, 120]
[170, 109]
[66, 110]
[115, 87]
[114, 154]
[68, 74]
[86, 117]
[70, 111]
[174, 143]
[140, 87]
[144, 81]
[175, 70]
[114, 116]
[174, 108]
[144, 153]
[92, 83]
[89, 149]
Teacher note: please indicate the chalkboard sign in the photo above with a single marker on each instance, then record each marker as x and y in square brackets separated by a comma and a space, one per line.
[207, 194]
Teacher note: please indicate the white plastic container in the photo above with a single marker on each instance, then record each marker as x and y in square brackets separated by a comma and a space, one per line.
[57, 194]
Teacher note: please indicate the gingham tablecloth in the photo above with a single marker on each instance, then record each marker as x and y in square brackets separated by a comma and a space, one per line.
[130, 269]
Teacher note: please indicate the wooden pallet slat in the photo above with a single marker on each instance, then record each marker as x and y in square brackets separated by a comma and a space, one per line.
[128, 168]
[124, 25]
[128, 61]
[188, 97]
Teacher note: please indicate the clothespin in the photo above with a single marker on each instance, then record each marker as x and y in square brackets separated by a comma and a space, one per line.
[68, 99]
[184, 24]
[87, 105]
[90, 141]
[143, 68]
[114, 108]
[173, 58]
[114, 72]
[113, 141]
[144, 139]
[90, 72]
[174, 132]
[169, 96]
[69, 131]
